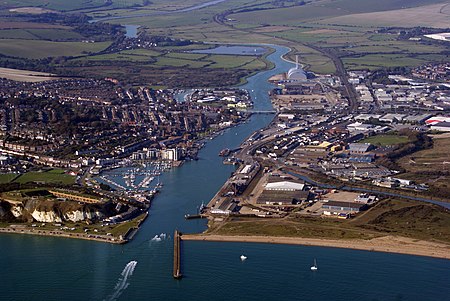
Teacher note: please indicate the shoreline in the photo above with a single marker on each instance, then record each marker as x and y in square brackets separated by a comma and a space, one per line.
[52, 233]
[386, 244]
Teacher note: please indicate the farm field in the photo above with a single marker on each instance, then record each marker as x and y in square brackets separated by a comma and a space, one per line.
[427, 16]
[377, 61]
[25, 75]
[179, 57]
[40, 34]
[28, 25]
[52, 4]
[300, 27]
[36, 49]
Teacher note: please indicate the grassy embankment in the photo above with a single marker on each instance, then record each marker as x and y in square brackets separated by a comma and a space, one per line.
[389, 217]
[430, 166]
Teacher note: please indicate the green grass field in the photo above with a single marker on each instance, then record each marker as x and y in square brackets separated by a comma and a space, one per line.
[378, 61]
[40, 34]
[177, 62]
[383, 140]
[36, 49]
[52, 4]
[360, 45]
[176, 57]
[229, 61]
[46, 177]
[6, 178]
[55, 34]
[22, 34]
[121, 56]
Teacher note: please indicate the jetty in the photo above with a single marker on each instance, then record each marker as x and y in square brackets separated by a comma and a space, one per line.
[177, 255]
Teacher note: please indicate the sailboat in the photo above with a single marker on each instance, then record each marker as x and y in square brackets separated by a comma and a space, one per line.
[314, 267]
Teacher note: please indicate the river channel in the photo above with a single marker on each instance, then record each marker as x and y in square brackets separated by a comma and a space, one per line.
[50, 268]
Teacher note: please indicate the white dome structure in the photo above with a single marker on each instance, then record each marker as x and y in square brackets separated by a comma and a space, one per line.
[296, 73]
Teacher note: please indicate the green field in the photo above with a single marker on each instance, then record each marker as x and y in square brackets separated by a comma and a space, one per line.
[52, 4]
[46, 177]
[383, 140]
[378, 61]
[6, 178]
[40, 34]
[22, 34]
[120, 56]
[230, 61]
[36, 49]
[177, 57]
[176, 62]
[250, 21]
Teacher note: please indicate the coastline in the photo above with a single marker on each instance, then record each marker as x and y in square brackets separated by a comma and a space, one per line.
[386, 244]
[99, 238]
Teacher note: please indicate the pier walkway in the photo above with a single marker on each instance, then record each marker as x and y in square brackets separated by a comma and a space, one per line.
[177, 255]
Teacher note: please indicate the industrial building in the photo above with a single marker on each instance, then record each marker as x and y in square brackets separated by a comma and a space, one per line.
[359, 148]
[441, 127]
[285, 186]
[296, 73]
[336, 207]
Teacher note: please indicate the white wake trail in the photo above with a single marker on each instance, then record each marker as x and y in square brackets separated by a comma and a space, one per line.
[123, 282]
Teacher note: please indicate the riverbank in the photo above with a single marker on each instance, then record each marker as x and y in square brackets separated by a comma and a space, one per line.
[53, 233]
[387, 244]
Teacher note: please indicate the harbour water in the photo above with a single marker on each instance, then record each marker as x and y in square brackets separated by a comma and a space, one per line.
[47, 268]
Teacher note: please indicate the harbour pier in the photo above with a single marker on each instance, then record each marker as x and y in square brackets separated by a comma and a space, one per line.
[177, 255]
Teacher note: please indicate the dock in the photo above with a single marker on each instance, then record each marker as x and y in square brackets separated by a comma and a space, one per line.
[177, 255]
[194, 216]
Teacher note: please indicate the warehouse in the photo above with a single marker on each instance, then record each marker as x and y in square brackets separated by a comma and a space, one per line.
[338, 207]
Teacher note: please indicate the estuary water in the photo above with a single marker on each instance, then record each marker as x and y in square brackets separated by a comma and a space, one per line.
[47, 268]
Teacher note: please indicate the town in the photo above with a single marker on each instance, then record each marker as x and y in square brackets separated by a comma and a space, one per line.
[102, 147]
[318, 159]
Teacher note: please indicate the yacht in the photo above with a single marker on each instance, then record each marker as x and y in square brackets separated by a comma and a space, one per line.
[314, 267]
[243, 257]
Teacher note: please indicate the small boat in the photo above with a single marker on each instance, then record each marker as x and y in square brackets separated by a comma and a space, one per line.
[314, 267]
[243, 257]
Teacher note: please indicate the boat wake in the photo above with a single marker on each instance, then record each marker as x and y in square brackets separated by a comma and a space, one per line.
[159, 237]
[123, 282]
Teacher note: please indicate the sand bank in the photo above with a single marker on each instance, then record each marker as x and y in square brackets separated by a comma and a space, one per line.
[390, 244]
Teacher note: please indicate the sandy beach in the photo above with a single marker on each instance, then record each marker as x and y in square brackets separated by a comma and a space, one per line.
[390, 244]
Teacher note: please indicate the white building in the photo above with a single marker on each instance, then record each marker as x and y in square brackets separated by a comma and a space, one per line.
[171, 154]
[285, 186]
